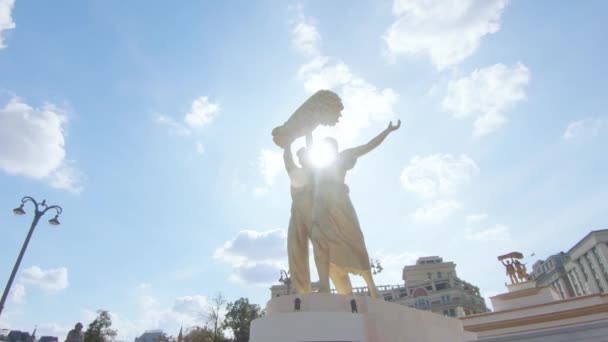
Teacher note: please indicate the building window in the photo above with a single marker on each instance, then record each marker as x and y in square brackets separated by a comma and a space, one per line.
[445, 299]
[439, 275]
[423, 304]
[429, 275]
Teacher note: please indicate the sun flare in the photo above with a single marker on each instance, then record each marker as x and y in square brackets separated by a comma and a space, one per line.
[321, 154]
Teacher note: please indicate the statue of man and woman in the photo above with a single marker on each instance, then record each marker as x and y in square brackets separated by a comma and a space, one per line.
[515, 269]
[321, 210]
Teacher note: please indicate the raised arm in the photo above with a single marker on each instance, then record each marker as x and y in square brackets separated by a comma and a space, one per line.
[358, 151]
[288, 159]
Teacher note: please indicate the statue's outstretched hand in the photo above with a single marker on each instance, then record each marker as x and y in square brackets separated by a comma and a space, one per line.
[392, 127]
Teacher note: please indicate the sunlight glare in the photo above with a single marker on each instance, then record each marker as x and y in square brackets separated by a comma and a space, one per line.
[321, 154]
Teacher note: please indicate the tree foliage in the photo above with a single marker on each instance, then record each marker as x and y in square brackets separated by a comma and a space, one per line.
[164, 338]
[202, 334]
[239, 316]
[99, 330]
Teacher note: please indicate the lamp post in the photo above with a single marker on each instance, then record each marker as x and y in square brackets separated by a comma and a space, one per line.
[286, 279]
[40, 210]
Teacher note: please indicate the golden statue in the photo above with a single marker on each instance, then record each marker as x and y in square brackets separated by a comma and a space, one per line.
[515, 269]
[322, 108]
[321, 207]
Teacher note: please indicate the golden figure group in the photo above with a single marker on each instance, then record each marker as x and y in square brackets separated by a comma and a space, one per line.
[516, 270]
[321, 209]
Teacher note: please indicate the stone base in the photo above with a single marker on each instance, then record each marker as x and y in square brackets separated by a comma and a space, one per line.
[522, 286]
[328, 317]
[523, 295]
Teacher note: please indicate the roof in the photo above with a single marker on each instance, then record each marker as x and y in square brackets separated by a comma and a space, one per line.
[586, 238]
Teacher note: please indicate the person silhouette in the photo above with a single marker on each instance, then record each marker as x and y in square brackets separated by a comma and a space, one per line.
[296, 304]
[353, 306]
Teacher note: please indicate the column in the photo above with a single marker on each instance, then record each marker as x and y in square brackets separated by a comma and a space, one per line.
[591, 281]
[598, 270]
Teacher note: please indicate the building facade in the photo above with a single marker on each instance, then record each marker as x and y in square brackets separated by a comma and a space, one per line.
[587, 268]
[431, 284]
[552, 272]
[583, 270]
[150, 336]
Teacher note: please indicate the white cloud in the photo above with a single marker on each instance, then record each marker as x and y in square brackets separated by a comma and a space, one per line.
[202, 112]
[53, 329]
[448, 31]
[174, 126]
[256, 257]
[54, 279]
[589, 127]
[186, 311]
[17, 293]
[498, 232]
[270, 164]
[475, 218]
[487, 94]
[270, 245]
[6, 20]
[192, 306]
[436, 211]
[438, 174]
[305, 36]
[67, 177]
[32, 144]
[259, 273]
[363, 102]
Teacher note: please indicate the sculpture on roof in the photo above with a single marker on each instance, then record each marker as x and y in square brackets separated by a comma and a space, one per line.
[515, 269]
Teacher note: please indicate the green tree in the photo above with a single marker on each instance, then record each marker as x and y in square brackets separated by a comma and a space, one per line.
[164, 338]
[239, 317]
[199, 334]
[99, 330]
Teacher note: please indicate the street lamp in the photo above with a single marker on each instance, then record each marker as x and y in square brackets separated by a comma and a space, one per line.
[40, 210]
[286, 279]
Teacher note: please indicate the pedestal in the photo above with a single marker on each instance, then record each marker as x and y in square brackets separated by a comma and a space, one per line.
[329, 317]
[522, 295]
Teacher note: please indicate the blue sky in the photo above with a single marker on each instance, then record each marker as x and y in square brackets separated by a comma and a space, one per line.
[150, 125]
